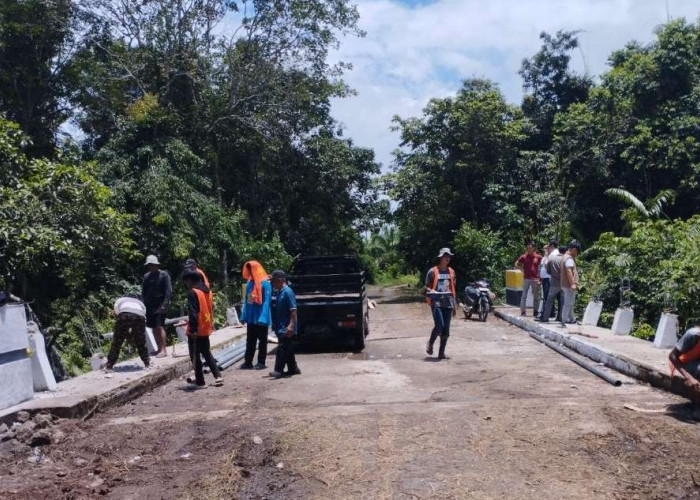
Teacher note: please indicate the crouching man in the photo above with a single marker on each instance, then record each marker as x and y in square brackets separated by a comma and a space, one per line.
[200, 326]
[130, 327]
[284, 324]
[685, 358]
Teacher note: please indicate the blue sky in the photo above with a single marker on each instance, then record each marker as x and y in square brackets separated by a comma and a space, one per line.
[418, 49]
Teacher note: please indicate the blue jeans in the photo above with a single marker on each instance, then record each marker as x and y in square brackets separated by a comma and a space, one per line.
[442, 316]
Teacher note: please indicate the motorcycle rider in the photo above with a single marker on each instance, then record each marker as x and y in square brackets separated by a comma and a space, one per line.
[441, 279]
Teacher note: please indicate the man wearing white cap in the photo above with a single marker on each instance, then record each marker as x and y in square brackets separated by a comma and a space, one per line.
[156, 290]
[441, 290]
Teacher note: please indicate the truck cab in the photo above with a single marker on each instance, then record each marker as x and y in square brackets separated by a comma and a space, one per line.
[331, 299]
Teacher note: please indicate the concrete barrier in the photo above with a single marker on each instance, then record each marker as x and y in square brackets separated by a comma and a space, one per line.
[667, 331]
[592, 313]
[15, 367]
[42, 375]
[622, 324]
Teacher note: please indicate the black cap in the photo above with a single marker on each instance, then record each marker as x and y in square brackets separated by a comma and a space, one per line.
[575, 245]
[190, 263]
[278, 274]
[554, 243]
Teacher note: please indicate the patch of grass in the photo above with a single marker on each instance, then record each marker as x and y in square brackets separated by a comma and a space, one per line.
[402, 279]
[223, 482]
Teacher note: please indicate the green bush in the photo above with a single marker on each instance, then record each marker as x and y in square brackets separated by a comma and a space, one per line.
[661, 260]
[644, 331]
[481, 253]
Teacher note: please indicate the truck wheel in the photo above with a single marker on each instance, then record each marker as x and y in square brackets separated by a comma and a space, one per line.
[359, 343]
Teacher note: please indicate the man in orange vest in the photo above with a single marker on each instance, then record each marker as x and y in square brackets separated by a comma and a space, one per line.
[441, 290]
[200, 326]
[685, 357]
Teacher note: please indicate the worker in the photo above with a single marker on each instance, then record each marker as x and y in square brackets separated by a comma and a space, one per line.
[200, 325]
[284, 325]
[441, 290]
[130, 326]
[157, 291]
[256, 314]
[529, 264]
[685, 357]
[192, 265]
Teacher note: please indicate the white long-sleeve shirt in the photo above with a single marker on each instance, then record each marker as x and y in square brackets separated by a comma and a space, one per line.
[129, 305]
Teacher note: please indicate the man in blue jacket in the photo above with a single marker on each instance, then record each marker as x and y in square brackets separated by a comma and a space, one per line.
[284, 324]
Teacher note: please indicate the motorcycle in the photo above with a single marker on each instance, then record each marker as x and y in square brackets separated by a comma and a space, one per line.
[479, 300]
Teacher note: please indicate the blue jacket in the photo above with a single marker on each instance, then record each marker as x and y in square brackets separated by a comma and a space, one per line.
[257, 314]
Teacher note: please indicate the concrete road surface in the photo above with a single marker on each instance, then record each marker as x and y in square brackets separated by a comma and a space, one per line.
[505, 417]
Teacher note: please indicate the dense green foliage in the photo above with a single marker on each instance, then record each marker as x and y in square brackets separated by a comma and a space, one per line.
[576, 159]
[660, 258]
[206, 133]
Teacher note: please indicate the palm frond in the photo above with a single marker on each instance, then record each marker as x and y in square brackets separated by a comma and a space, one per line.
[628, 199]
[656, 205]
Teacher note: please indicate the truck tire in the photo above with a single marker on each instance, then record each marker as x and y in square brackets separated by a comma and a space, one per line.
[359, 343]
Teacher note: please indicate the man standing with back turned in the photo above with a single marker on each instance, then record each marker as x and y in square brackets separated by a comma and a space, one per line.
[156, 290]
[284, 324]
[529, 264]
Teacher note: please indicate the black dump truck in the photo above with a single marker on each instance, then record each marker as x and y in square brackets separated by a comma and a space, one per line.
[331, 300]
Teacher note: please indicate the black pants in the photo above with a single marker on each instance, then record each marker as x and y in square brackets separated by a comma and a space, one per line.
[256, 334]
[132, 328]
[200, 348]
[546, 284]
[285, 355]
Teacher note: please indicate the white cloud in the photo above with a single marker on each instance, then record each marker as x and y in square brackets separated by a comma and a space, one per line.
[413, 53]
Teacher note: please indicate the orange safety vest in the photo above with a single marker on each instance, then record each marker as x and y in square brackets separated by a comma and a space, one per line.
[436, 275]
[205, 319]
[204, 278]
[687, 357]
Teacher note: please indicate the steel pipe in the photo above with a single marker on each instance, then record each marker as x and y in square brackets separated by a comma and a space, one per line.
[593, 369]
[232, 361]
[228, 353]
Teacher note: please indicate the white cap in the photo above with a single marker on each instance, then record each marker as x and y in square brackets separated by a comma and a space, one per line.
[444, 251]
[152, 259]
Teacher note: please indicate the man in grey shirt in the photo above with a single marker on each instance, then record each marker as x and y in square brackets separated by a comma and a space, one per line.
[555, 266]
[685, 357]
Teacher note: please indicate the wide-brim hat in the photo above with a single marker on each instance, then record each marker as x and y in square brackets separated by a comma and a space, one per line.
[152, 259]
[445, 251]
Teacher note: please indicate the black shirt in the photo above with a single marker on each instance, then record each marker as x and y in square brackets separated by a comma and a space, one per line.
[193, 306]
[156, 290]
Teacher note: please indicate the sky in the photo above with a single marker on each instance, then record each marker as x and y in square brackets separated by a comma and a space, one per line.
[415, 50]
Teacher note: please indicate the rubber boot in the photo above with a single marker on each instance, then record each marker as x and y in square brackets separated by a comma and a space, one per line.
[443, 344]
[429, 347]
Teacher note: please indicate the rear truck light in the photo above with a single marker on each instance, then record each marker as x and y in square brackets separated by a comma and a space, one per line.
[345, 324]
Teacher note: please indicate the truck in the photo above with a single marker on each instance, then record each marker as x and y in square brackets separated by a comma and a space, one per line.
[331, 298]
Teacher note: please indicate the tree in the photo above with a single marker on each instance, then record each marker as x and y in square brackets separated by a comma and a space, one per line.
[448, 166]
[550, 85]
[37, 38]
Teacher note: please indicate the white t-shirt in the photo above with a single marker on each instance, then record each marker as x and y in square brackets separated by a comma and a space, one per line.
[569, 262]
[129, 305]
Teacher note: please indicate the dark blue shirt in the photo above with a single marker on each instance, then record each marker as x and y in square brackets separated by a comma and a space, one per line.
[283, 303]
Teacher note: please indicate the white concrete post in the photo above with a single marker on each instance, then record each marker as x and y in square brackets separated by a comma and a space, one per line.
[151, 341]
[666, 333]
[42, 375]
[15, 367]
[622, 324]
[592, 313]
[232, 317]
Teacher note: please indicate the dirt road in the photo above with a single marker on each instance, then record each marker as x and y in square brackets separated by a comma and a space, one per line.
[504, 418]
